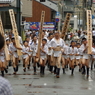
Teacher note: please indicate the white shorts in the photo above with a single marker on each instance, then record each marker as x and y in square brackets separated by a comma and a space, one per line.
[50, 52]
[78, 57]
[85, 56]
[24, 56]
[65, 56]
[43, 57]
[72, 57]
[2, 58]
[15, 55]
[34, 54]
[93, 56]
[30, 53]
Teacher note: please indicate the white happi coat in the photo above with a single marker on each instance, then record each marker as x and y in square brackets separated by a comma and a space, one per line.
[73, 51]
[54, 43]
[85, 55]
[42, 54]
[50, 51]
[2, 55]
[34, 48]
[93, 51]
[66, 51]
[25, 50]
[29, 44]
[13, 49]
[79, 52]
[8, 49]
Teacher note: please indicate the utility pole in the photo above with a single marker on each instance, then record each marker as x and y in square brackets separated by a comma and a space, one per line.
[18, 17]
[61, 12]
[92, 3]
[92, 7]
[84, 14]
[62, 9]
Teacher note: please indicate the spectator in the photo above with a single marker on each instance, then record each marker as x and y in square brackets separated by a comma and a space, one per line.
[79, 33]
[27, 33]
[6, 34]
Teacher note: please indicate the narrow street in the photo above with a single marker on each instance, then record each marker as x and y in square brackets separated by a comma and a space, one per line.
[29, 84]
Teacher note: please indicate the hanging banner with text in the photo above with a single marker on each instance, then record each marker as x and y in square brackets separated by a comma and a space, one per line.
[35, 25]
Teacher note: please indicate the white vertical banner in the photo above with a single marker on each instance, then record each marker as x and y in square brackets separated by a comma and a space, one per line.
[27, 8]
[75, 22]
[57, 15]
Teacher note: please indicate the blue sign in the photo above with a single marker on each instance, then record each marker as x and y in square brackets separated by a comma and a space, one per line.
[57, 20]
[57, 14]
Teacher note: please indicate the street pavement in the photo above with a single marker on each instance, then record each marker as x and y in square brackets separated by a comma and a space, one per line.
[25, 83]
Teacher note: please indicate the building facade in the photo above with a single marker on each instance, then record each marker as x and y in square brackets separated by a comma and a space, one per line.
[36, 16]
[5, 14]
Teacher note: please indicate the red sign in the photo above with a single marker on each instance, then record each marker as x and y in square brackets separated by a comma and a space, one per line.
[93, 1]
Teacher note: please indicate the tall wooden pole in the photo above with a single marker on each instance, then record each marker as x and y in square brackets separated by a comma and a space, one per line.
[5, 47]
[89, 31]
[15, 31]
[66, 24]
[18, 17]
[40, 33]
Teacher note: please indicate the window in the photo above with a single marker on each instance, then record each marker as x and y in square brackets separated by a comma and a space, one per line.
[42, 0]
